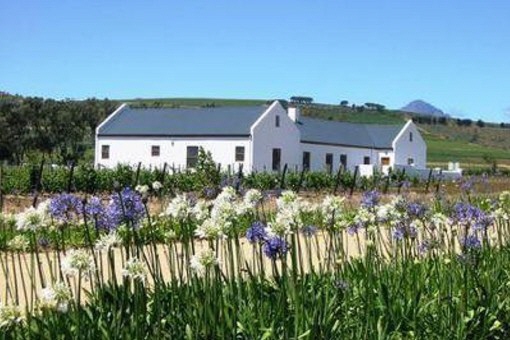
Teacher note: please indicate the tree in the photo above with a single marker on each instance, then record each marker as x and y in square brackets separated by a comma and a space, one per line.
[301, 100]
[344, 103]
[480, 123]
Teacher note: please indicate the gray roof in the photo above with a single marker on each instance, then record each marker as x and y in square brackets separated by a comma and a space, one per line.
[348, 134]
[210, 121]
[236, 121]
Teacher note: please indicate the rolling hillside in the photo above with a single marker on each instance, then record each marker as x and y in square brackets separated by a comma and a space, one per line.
[472, 146]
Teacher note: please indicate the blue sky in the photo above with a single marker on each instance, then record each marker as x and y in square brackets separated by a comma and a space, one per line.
[454, 54]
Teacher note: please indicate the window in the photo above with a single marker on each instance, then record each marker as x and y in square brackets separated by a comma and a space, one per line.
[343, 161]
[105, 152]
[155, 151]
[385, 161]
[239, 153]
[329, 162]
[366, 160]
[277, 121]
[410, 161]
[191, 156]
[410, 136]
[306, 160]
[277, 157]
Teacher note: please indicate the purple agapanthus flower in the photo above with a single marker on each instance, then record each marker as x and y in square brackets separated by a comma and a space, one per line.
[402, 232]
[416, 210]
[256, 232]
[472, 242]
[370, 199]
[354, 228]
[467, 214]
[275, 247]
[126, 207]
[97, 213]
[309, 230]
[65, 207]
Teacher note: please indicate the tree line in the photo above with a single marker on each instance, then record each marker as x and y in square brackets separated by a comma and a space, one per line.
[62, 130]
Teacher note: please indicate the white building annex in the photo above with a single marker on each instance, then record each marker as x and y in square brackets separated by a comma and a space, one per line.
[261, 138]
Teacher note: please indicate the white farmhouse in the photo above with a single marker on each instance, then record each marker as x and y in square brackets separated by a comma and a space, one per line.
[261, 138]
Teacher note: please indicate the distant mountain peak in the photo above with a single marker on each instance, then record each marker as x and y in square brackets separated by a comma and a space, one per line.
[421, 107]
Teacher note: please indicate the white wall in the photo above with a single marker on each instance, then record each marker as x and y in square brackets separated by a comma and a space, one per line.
[131, 150]
[415, 149]
[266, 136]
[355, 156]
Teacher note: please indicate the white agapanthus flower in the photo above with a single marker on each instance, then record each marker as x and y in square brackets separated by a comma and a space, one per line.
[439, 221]
[33, 218]
[142, 189]
[135, 269]
[56, 297]
[228, 194]
[19, 243]
[78, 261]
[252, 197]
[209, 229]
[179, 207]
[10, 316]
[108, 241]
[157, 186]
[200, 210]
[202, 261]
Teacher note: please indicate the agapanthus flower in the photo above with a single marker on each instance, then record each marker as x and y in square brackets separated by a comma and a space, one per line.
[209, 229]
[56, 297]
[416, 210]
[135, 269]
[252, 197]
[275, 247]
[19, 243]
[309, 230]
[10, 316]
[180, 207]
[108, 241]
[78, 262]
[202, 261]
[200, 210]
[471, 242]
[142, 189]
[332, 207]
[157, 186]
[66, 208]
[33, 218]
[126, 207]
[370, 199]
[466, 214]
[98, 214]
[256, 232]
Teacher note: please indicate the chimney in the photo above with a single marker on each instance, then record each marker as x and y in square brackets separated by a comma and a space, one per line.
[294, 113]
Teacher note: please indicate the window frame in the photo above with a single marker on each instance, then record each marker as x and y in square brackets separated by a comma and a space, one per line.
[343, 160]
[329, 162]
[276, 166]
[306, 161]
[191, 160]
[155, 150]
[277, 121]
[410, 161]
[410, 136]
[105, 151]
[239, 154]
[366, 160]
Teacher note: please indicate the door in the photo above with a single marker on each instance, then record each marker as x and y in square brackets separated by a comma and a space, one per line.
[277, 157]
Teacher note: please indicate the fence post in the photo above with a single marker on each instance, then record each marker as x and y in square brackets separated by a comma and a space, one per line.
[137, 176]
[401, 182]
[439, 181]
[428, 181]
[388, 179]
[38, 185]
[337, 181]
[163, 174]
[1, 188]
[301, 179]
[282, 180]
[356, 169]
[70, 179]
[239, 177]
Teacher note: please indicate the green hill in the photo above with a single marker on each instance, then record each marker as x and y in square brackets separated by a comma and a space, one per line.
[472, 146]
